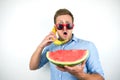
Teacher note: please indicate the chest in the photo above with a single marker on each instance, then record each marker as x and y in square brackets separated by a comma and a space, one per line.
[70, 46]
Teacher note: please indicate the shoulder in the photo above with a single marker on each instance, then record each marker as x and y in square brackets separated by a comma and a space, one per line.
[83, 43]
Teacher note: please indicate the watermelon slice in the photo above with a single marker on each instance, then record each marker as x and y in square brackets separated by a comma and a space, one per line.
[67, 57]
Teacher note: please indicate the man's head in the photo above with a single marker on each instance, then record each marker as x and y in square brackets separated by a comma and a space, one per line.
[63, 21]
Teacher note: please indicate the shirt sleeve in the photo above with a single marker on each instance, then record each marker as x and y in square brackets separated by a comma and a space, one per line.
[43, 58]
[93, 62]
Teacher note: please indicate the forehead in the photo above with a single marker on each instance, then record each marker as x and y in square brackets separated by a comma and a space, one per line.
[64, 19]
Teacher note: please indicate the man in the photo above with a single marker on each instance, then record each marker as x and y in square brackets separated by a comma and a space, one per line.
[90, 69]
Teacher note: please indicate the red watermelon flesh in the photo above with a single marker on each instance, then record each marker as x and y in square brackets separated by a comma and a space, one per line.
[67, 57]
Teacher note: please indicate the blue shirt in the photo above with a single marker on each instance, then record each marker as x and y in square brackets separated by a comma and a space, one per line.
[93, 64]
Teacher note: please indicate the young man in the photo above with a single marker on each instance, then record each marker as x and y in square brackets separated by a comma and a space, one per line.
[89, 70]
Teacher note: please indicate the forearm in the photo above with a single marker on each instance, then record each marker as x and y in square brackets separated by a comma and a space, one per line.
[34, 62]
[35, 59]
[86, 76]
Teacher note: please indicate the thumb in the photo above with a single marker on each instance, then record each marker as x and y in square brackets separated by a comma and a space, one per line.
[68, 68]
[83, 63]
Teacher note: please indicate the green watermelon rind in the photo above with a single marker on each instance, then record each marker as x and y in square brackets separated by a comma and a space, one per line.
[58, 63]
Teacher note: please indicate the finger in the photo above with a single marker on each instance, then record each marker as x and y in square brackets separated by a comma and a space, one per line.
[83, 63]
[52, 33]
[61, 68]
[49, 37]
[52, 36]
[68, 68]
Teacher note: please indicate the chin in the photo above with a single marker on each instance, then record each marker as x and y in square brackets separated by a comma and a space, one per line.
[65, 38]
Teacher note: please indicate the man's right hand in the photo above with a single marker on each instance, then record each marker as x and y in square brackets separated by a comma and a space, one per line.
[48, 39]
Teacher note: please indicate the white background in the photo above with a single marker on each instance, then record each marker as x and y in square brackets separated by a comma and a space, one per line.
[24, 23]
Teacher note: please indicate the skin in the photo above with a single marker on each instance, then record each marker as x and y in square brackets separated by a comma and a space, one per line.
[64, 19]
[74, 70]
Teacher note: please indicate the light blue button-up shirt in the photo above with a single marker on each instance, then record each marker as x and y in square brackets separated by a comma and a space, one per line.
[93, 64]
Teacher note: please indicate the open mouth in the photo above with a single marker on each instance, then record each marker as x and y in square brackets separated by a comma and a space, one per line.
[65, 33]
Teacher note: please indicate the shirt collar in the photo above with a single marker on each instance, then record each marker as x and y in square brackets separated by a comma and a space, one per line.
[73, 38]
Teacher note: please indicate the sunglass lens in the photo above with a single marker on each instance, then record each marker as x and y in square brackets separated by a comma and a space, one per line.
[69, 26]
[60, 27]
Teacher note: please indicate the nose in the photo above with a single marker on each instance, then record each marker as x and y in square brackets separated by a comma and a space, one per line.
[64, 28]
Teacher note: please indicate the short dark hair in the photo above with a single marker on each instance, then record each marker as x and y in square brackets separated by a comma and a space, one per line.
[63, 12]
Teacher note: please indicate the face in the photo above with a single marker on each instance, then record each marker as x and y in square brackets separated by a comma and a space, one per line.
[64, 21]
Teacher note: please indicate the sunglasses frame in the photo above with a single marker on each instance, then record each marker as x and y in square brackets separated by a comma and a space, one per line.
[64, 25]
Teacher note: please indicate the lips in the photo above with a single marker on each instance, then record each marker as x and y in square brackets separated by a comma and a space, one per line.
[65, 33]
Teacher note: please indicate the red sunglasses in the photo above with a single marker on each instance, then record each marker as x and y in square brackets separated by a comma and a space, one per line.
[61, 26]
